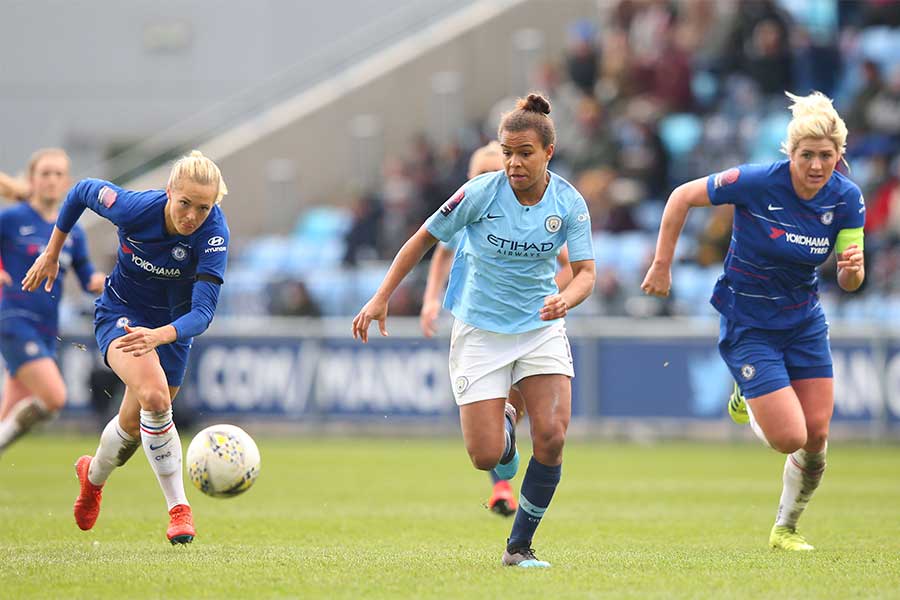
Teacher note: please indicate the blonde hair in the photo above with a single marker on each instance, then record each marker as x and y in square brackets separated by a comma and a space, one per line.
[198, 169]
[37, 155]
[814, 116]
[481, 156]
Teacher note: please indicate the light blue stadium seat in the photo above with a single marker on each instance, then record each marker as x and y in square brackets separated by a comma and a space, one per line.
[323, 223]
[771, 131]
[692, 287]
[680, 133]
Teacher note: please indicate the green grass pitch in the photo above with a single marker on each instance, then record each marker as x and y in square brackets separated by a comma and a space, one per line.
[376, 518]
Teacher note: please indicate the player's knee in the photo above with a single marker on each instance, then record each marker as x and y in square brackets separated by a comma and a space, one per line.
[484, 459]
[788, 442]
[55, 401]
[154, 399]
[548, 444]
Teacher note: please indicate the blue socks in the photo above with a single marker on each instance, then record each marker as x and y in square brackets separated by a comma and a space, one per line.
[537, 490]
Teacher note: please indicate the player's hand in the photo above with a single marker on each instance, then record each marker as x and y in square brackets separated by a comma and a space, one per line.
[44, 267]
[138, 341]
[5, 279]
[555, 307]
[428, 317]
[374, 310]
[658, 281]
[97, 282]
[851, 259]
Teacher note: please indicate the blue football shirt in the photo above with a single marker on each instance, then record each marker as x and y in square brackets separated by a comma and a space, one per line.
[23, 235]
[507, 263]
[778, 240]
[155, 272]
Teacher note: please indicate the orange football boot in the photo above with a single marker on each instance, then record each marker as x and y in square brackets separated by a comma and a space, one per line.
[181, 525]
[503, 501]
[87, 505]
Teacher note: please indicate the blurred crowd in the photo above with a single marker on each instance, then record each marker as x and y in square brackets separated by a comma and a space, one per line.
[652, 94]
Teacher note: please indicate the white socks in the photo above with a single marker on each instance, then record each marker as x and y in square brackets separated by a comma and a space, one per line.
[802, 473]
[116, 447]
[27, 413]
[163, 449]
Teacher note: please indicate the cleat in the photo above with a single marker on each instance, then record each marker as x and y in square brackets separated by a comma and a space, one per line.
[737, 407]
[523, 557]
[787, 538]
[502, 501]
[181, 525]
[509, 465]
[87, 505]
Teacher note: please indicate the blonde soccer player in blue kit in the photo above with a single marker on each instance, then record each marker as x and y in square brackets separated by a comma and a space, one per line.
[789, 216]
[509, 327]
[163, 292]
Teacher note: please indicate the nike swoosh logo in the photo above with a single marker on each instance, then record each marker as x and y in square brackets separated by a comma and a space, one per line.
[776, 207]
[491, 217]
[135, 242]
[26, 230]
[154, 448]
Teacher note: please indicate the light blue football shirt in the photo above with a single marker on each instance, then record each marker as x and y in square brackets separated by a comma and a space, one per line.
[506, 265]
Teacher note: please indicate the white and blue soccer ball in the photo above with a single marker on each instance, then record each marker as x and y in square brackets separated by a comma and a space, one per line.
[223, 461]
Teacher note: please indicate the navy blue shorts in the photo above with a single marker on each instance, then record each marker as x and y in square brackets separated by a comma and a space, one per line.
[109, 325]
[765, 360]
[20, 343]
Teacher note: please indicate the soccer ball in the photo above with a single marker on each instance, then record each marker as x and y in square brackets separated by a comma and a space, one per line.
[223, 461]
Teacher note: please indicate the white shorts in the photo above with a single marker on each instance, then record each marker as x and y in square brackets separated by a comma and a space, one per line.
[484, 364]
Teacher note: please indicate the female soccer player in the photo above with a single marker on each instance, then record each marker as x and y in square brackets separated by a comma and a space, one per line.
[509, 328]
[484, 160]
[788, 217]
[34, 389]
[162, 292]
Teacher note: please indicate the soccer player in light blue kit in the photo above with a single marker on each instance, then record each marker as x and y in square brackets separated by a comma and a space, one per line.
[34, 390]
[788, 218]
[162, 292]
[509, 327]
[484, 160]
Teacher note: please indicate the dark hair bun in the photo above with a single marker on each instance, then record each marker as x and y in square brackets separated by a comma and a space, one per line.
[535, 103]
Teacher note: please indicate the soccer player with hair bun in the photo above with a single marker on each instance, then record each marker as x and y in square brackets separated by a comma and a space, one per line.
[789, 217]
[486, 159]
[161, 294]
[34, 390]
[509, 328]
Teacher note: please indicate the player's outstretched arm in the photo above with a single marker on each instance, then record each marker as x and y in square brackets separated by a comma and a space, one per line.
[658, 280]
[46, 265]
[376, 308]
[438, 272]
[204, 298]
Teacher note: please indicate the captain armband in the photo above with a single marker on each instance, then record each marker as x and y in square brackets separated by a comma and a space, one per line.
[848, 237]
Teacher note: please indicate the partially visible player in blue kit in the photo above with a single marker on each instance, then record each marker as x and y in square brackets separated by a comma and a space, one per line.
[788, 218]
[509, 327]
[162, 292]
[34, 390]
